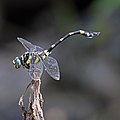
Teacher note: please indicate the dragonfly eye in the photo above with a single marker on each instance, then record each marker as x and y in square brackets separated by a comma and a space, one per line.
[17, 63]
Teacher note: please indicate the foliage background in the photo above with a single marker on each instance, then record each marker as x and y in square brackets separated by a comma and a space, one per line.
[90, 68]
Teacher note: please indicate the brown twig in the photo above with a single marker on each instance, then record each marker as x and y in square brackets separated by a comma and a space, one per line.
[35, 105]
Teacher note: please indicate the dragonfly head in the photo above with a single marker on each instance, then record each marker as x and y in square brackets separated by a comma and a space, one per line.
[17, 63]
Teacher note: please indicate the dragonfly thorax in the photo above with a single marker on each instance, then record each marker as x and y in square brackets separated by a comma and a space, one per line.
[27, 59]
[24, 58]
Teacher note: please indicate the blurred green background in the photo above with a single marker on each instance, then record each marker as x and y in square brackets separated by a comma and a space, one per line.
[90, 68]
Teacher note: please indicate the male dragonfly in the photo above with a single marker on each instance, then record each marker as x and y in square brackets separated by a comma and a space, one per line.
[36, 57]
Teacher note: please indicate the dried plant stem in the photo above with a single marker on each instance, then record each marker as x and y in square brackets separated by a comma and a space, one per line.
[37, 101]
[34, 111]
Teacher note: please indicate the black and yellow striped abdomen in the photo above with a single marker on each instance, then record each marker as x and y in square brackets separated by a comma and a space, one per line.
[82, 32]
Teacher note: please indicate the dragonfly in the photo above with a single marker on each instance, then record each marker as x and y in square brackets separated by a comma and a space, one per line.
[36, 57]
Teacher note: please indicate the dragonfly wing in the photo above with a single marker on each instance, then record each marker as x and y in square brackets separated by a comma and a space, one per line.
[36, 70]
[52, 68]
[29, 46]
[38, 49]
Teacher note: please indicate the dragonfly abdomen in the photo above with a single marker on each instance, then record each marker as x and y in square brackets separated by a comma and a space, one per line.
[82, 32]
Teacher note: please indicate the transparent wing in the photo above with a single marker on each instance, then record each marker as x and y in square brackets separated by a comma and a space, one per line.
[38, 49]
[52, 68]
[36, 70]
[29, 46]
